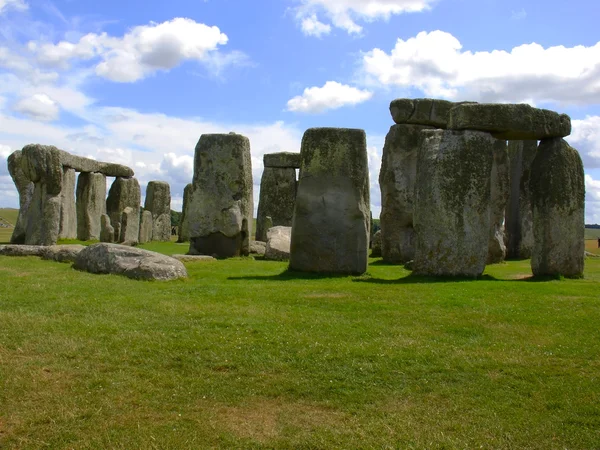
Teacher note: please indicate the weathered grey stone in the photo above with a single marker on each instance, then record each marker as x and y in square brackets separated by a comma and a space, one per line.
[499, 193]
[81, 164]
[221, 209]
[284, 160]
[519, 216]
[397, 182]
[129, 261]
[277, 198]
[330, 231]
[21, 250]
[130, 225]
[510, 121]
[421, 111]
[158, 202]
[107, 232]
[184, 223]
[558, 198]
[145, 227]
[452, 209]
[258, 247]
[376, 245]
[91, 204]
[41, 164]
[61, 253]
[278, 243]
[68, 212]
[194, 258]
[25, 189]
[124, 193]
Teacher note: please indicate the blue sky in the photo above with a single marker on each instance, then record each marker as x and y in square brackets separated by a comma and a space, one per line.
[138, 82]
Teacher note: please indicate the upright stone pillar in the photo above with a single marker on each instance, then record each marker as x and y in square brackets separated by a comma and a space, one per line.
[499, 192]
[91, 204]
[184, 225]
[145, 228]
[558, 199]
[124, 193]
[158, 202]
[68, 211]
[25, 188]
[519, 220]
[452, 214]
[221, 209]
[330, 230]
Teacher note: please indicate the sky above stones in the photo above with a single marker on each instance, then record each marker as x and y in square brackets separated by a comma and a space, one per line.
[138, 82]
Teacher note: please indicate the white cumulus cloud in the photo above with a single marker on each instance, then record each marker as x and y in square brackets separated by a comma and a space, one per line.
[332, 95]
[19, 5]
[311, 26]
[585, 137]
[38, 106]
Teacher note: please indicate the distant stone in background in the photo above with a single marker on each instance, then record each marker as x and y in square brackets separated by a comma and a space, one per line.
[278, 243]
[124, 193]
[130, 225]
[376, 245]
[146, 226]
[68, 211]
[499, 194]
[107, 232]
[220, 212]
[158, 202]
[277, 199]
[558, 198]
[184, 225]
[258, 247]
[91, 204]
[284, 160]
[25, 189]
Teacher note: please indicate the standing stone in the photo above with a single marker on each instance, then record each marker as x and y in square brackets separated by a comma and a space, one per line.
[130, 225]
[452, 210]
[107, 232]
[184, 224]
[558, 198]
[25, 188]
[91, 204]
[277, 199]
[158, 202]
[221, 209]
[124, 193]
[376, 245]
[145, 227]
[68, 212]
[519, 216]
[278, 243]
[330, 231]
[397, 181]
[499, 193]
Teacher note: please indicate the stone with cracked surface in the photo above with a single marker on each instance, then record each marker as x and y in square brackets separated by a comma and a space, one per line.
[277, 199]
[421, 111]
[91, 204]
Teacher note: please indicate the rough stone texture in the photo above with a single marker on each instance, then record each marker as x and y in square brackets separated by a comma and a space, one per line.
[519, 216]
[330, 231]
[68, 212]
[184, 223]
[376, 245]
[158, 202]
[499, 193]
[278, 243]
[124, 193]
[221, 208]
[258, 247]
[21, 250]
[25, 188]
[284, 160]
[452, 209]
[397, 181]
[107, 232]
[130, 225]
[81, 164]
[145, 228]
[128, 261]
[194, 258]
[510, 121]
[91, 204]
[277, 198]
[61, 253]
[421, 111]
[558, 196]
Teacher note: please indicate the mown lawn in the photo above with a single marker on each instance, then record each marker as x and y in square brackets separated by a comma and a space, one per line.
[245, 355]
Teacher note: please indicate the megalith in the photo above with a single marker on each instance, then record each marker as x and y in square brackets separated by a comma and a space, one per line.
[68, 211]
[558, 197]
[25, 189]
[107, 232]
[452, 209]
[499, 193]
[91, 204]
[331, 223]
[397, 182]
[124, 193]
[158, 202]
[220, 212]
[519, 220]
[145, 227]
[130, 225]
[184, 226]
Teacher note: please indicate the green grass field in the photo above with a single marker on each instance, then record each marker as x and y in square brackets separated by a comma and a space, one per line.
[246, 355]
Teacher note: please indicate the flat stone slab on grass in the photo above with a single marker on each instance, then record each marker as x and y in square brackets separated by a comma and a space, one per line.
[62, 253]
[21, 250]
[510, 121]
[131, 262]
[194, 258]
[278, 243]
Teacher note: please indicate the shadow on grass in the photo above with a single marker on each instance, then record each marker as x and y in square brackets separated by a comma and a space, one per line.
[422, 279]
[288, 275]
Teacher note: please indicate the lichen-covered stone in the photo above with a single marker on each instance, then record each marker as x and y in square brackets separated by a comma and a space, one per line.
[146, 226]
[158, 202]
[184, 223]
[278, 243]
[282, 160]
[397, 182]
[91, 204]
[421, 111]
[61, 253]
[68, 211]
[124, 193]
[81, 164]
[510, 121]
[376, 245]
[221, 208]
[107, 231]
[499, 193]
[277, 198]
[452, 209]
[519, 216]
[130, 225]
[558, 198]
[21, 250]
[25, 189]
[258, 247]
[330, 231]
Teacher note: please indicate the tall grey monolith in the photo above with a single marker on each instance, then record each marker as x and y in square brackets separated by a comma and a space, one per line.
[558, 198]
[221, 208]
[68, 211]
[91, 204]
[25, 189]
[145, 227]
[499, 193]
[184, 225]
[452, 210]
[158, 202]
[107, 231]
[124, 193]
[330, 229]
